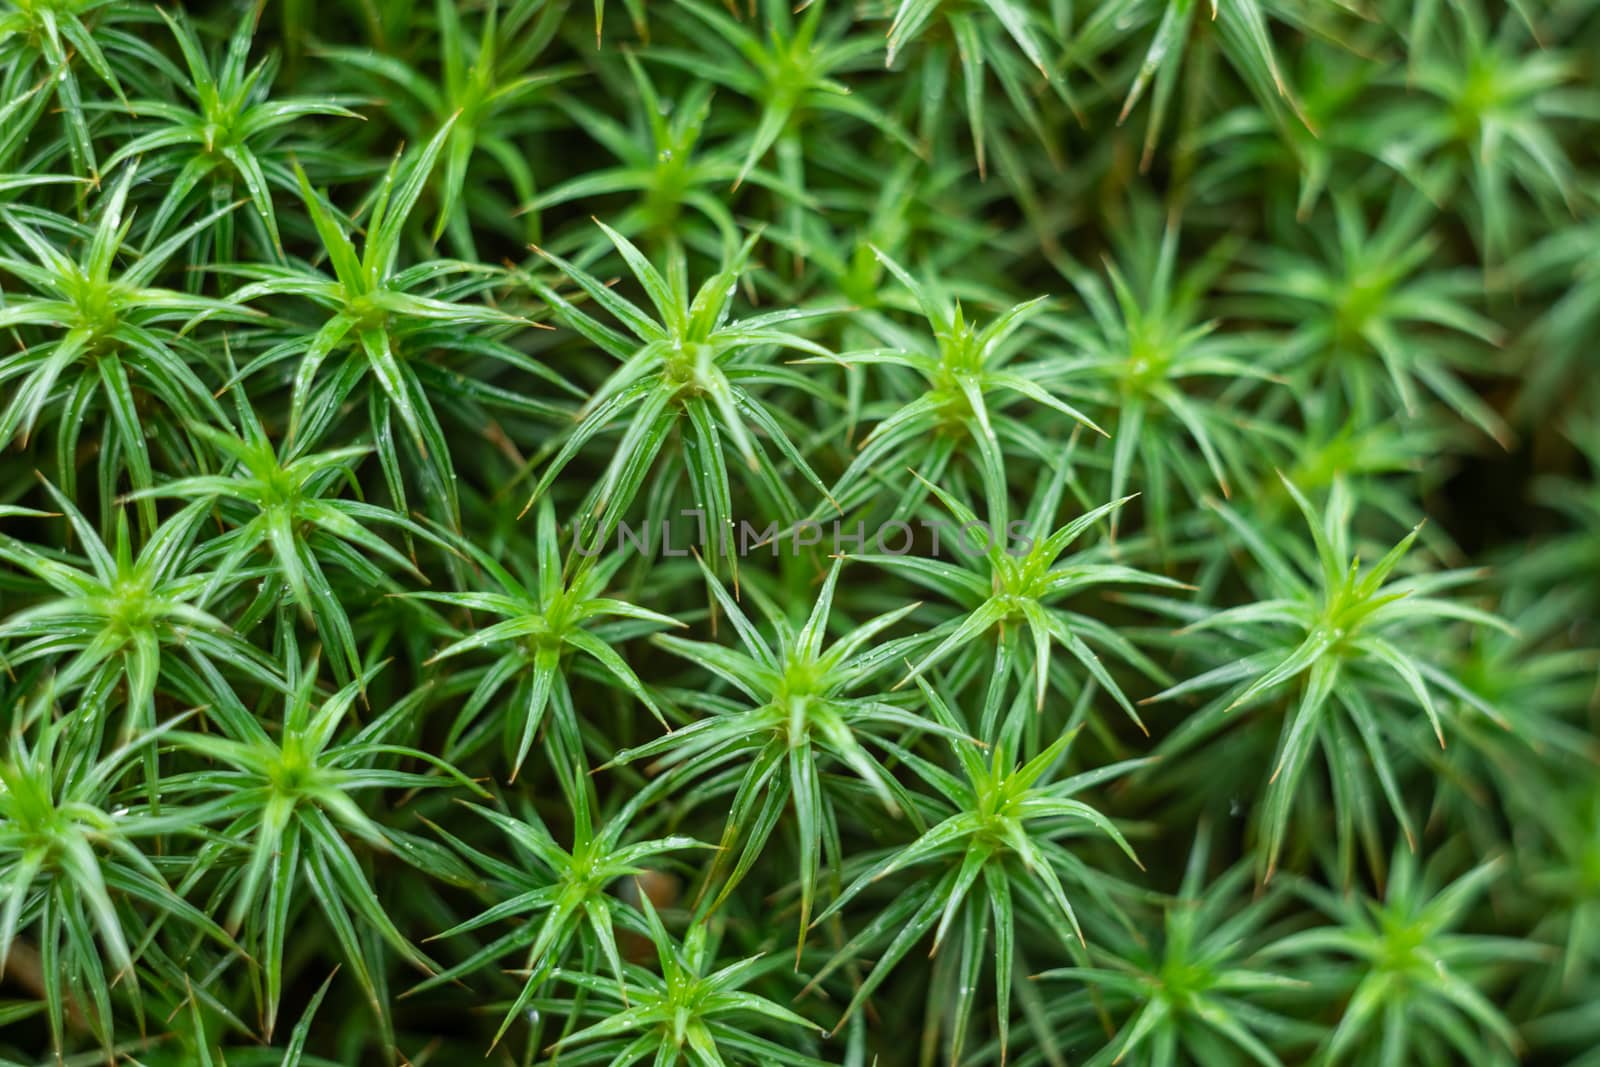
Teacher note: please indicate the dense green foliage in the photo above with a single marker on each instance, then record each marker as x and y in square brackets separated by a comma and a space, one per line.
[911, 532]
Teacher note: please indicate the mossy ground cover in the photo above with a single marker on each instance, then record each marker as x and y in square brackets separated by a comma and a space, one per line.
[901, 532]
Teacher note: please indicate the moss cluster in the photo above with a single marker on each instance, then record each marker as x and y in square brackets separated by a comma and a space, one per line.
[899, 532]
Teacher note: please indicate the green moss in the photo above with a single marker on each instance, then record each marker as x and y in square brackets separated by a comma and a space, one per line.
[748, 533]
